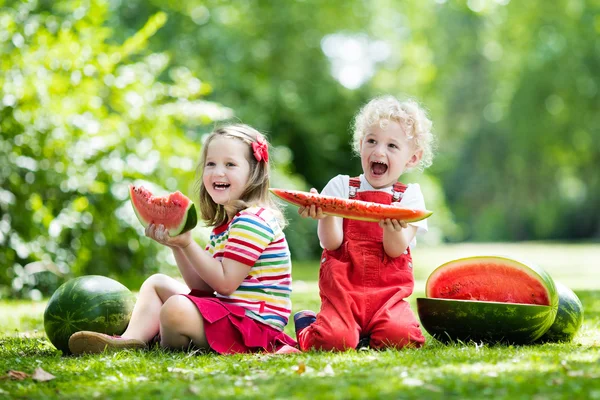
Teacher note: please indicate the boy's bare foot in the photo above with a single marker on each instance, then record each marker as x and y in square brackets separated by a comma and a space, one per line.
[94, 342]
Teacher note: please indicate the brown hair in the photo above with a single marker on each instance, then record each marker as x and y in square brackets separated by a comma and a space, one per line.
[256, 192]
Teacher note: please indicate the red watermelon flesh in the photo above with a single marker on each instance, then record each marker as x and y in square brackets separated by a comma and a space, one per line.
[352, 209]
[175, 211]
[491, 278]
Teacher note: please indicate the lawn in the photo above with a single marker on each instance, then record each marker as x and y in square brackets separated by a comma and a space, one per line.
[549, 371]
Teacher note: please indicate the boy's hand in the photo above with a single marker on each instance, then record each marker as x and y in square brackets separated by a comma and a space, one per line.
[392, 225]
[312, 211]
[160, 234]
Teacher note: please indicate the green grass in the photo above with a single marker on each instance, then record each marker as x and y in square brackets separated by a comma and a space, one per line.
[550, 371]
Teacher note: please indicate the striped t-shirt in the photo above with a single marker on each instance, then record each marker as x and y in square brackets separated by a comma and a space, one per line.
[254, 237]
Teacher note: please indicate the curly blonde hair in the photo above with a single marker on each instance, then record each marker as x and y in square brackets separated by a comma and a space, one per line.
[408, 114]
[256, 192]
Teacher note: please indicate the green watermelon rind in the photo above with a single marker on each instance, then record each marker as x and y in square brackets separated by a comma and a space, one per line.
[186, 224]
[569, 317]
[531, 269]
[483, 321]
[109, 309]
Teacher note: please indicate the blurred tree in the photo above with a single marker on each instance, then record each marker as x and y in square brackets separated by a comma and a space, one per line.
[513, 91]
[81, 119]
[267, 63]
[526, 166]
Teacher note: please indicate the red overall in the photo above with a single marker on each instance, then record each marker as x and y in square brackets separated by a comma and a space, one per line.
[363, 290]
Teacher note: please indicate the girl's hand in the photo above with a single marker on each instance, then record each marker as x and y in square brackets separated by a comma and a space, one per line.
[312, 211]
[160, 234]
[392, 225]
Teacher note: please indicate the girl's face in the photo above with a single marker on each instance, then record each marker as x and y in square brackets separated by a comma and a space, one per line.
[385, 154]
[226, 169]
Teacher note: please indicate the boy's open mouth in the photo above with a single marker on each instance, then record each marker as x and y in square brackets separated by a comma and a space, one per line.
[220, 186]
[378, 168]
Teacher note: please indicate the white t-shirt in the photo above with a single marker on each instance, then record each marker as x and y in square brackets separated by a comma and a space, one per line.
[412, 198]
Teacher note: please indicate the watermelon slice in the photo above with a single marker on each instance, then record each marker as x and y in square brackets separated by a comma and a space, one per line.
[175, 211]
[348, 208]
[490, 299]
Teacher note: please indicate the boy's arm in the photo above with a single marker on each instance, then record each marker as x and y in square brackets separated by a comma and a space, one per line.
[330, 232]
[329, 229]
[397, 236]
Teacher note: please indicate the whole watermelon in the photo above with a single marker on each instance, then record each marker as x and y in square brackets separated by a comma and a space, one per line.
[88, 303]
[568, 319]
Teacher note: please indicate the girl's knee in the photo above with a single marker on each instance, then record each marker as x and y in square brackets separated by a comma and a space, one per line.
[175, 311]
[156, 280]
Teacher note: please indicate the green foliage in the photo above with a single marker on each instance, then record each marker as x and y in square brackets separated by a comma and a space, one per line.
[81, 119]
[267, 63]
[514, 90]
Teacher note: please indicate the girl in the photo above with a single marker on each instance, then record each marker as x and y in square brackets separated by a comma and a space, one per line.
[366, 267]
[236, 296]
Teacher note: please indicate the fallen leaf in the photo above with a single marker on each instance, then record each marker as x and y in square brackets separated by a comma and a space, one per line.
[42, 376]
[18, 375]
[301, 368]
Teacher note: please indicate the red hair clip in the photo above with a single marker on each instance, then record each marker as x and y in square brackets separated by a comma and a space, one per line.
[261, 149]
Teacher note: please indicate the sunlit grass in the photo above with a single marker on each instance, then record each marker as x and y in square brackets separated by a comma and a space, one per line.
[549, 371]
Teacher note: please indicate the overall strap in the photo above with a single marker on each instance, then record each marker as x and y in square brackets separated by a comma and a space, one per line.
[353, 185]
[399, 189]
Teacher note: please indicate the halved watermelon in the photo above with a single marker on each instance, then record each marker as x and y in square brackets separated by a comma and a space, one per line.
[488, 298]
[352, 209]
[492, 278]
[175, 211]
[483, 321]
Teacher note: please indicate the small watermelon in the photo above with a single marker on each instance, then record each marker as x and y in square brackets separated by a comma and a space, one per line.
[568, 319]
[489, 299]
[175, 211]
[351, 209]
[88, 303]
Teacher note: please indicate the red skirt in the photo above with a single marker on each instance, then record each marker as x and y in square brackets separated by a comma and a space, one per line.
[228, 330]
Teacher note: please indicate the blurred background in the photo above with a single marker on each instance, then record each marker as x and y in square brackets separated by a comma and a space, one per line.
[96, 95]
